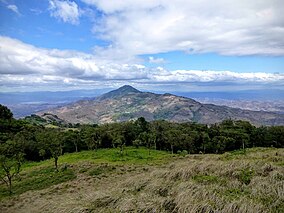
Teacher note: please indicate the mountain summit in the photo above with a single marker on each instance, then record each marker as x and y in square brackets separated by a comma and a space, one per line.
[126, 103]
[124, 90]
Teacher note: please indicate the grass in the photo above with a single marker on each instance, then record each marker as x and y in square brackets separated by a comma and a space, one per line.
[130, 156]
[41, 175]
[136, 182]
[207, 179]
[51, 126]
[245, 176]
[102, 169]
[37, 179]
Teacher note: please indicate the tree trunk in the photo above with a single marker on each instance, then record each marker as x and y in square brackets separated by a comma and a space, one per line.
[172, 147]
[10, 184]
[56, 163]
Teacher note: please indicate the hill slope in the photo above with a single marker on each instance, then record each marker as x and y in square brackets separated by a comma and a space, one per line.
[232, 182]
[128, 103]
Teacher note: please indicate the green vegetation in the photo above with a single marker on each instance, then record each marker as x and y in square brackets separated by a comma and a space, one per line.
[105, 181]
[141, 166]
[10, 161]
[205, 178]
[40, 175]
[112, 156]
[245, 175]
[36, 179]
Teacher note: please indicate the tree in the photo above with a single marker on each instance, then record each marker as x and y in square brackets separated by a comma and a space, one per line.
[11, 157]
[94, 140]
[137, 143]
[72, 140]
[173, 138]
[5, 113]
[148, 139]
[219, 144]
[159, 128]
[51, 140]
[205, 141]
[276, 136]
[142, 125]
[119, 142]
[186, 142]
[55, 146]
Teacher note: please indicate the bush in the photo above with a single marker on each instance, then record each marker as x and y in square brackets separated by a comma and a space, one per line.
[245, 176]
[182, 153]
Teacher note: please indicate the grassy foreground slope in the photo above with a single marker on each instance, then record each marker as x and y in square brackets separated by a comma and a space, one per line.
[104, 181]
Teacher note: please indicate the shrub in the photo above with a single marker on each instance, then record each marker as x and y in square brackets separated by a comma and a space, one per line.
[245, 176]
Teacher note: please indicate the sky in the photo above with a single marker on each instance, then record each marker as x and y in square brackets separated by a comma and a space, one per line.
[161, 45]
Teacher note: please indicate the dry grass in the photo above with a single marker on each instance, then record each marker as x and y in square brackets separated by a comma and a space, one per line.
[232, 182]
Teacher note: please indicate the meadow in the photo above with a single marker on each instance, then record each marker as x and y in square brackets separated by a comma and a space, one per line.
[108, 181]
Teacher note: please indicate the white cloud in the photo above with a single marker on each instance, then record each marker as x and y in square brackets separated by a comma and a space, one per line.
[25, 66]
[154, 60]
[236, 27]
[112, 6]
[18, 58]
[36, 11]
[217, 76]
[67, 11]
[14, 8]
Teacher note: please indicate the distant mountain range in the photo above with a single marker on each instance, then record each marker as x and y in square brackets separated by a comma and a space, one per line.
[128, 103]
[26, 103]
[268, 106]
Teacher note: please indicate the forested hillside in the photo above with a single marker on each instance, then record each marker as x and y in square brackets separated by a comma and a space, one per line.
[38, 142]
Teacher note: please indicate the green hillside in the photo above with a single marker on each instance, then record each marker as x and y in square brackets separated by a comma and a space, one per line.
[134, 181]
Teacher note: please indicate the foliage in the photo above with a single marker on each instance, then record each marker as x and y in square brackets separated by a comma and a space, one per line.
[43, 143]
[41, 175]
[52, 142]
[37, 179]
[245, 176]
[11, 157]
[5, 113]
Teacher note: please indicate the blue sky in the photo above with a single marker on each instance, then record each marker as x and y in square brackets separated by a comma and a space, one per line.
[186, 45]
[213, 61]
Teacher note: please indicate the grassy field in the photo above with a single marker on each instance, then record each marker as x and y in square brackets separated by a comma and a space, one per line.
[105, 181]
[40, 175]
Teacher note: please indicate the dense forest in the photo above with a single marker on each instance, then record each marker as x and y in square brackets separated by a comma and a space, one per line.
[37, 142]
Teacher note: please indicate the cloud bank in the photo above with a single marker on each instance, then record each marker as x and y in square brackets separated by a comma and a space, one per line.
[23, 65]
[236, 27]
